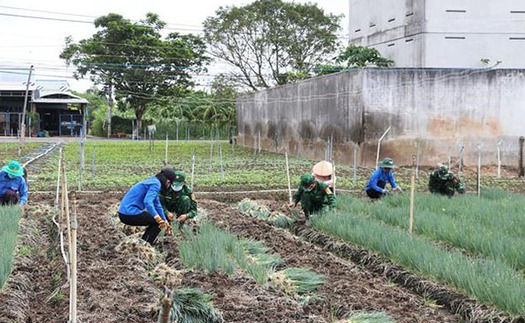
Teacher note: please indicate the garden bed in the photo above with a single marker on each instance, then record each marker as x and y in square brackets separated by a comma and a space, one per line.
[116, 287]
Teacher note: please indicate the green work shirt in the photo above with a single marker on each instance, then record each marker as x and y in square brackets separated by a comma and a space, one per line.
[181, 202]
[320, 198]
[445, 184]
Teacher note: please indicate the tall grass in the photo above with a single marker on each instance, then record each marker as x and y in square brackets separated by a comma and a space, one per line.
[212, 249]
[492, 226]
[487, 280]
[9, 218]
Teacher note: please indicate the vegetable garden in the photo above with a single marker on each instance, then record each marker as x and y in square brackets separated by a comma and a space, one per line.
[246, 259]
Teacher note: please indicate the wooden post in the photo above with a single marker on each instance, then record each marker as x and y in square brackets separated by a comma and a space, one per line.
[379, 145]
[23, 121]
[479, 171]
[58, 177]
[165, 307]
[192, 166]
[166, 155]
[520, 166]
[412, 190]
[333, 177]
[354, 171]
[73, 268]
[220, 158]
[288, 177]
[499, 158]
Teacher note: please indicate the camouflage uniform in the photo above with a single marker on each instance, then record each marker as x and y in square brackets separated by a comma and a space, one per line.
[181, 202]
[315, 196]
[444, 182]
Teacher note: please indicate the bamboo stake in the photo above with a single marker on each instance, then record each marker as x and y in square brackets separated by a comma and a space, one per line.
[165, 307]
[220, 157]
[412, 189]
[499, 158]
[73, 256]
[166, 155]
[333, 177]
[354, 171]
[58, 177]
[211, 151]
[61, 219]
[379, 144]
[288, 177]
[66, 208]
[192, 166]
[479, 170]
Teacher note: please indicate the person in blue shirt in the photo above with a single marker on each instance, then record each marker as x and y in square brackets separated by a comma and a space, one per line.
[13, 186]
[375, 188]
[141, 205]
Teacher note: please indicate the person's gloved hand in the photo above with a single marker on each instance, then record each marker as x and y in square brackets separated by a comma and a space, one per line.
[385, 191]
[170, 216]
[162, 224]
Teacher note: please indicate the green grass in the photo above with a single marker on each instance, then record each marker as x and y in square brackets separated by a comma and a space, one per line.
[488, 280]
[212, 249]
[9, 219]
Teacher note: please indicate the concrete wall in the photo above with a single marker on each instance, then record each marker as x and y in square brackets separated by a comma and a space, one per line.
[441, 33]
[431, 112]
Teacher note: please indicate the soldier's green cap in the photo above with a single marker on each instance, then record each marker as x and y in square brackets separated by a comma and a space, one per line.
[179, 177]
[387, 163]
[307, 180]
[443, 169]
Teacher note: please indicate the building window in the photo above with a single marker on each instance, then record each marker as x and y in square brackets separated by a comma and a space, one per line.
[391, 19]
[409, 14]
[409, 40]
[372, 24]
[517, 11]
[456, 10]
[390, 45]
[516, 38]
[454, 37]
[357, 30]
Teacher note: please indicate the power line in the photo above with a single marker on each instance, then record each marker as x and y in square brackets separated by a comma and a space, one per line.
[86, 22]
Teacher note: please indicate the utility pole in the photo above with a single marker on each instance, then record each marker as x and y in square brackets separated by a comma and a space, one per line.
[110, 104]
[23, 123]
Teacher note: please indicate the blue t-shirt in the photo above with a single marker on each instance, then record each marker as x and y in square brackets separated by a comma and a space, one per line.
[380, 175]
[143, 196]
[17, 184]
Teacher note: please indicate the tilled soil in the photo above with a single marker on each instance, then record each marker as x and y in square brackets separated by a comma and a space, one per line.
[115, 286]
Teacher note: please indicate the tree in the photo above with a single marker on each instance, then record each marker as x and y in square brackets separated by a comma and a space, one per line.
[267, 39]
[131, 60]
[361, 56]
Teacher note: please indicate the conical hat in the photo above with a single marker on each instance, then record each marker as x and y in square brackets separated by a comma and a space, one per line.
[323, 168]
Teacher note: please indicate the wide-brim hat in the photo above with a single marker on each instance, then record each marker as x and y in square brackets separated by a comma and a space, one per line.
[387, 163]
[323, 168]
[13, 168]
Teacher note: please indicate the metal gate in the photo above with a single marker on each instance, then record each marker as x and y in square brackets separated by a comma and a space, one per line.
[10, 123]
[70, 125]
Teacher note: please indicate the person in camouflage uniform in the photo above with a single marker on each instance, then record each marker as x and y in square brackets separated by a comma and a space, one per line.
[442, 181]
[315, 196]
[179, 201]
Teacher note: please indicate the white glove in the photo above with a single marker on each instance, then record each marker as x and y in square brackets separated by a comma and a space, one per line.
[385, 191]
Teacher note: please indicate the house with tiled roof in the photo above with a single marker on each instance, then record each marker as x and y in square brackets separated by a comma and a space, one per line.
[51, 108]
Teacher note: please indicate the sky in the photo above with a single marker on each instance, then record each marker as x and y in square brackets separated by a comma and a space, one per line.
[32, 32]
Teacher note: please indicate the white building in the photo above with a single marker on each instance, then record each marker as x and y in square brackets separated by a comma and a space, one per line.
[442, 33]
